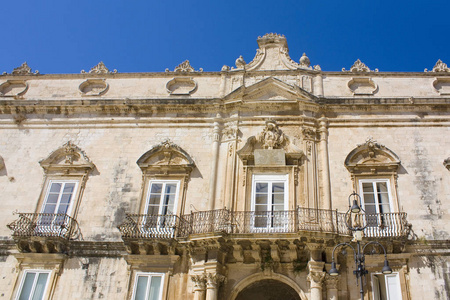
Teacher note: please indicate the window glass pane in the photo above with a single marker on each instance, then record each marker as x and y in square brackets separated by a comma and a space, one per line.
[278, 187]
[62, 209]
[40, 286]
[261, 187]
[382, 187]
[141, 288]
[278, 199]
[49, 208]
[65, 198]
[153, 210]
[69, 187]
[367, 187]
[384, 209]
[155, 285]
[260, 208]
[27, 286]
[369, 199]
[55, 187]
[154, 199]
[169, 200]
[171, 188]
[278, 207]
[370, 209]
[156, 188]
[52, 198]
[261, 199]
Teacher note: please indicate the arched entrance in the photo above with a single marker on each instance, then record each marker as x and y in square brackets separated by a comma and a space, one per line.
[268, 289]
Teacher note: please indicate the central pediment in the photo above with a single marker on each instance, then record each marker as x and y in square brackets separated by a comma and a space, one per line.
[270, 89]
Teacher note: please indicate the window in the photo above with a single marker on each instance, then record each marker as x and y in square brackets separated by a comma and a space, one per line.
[148, 286]
[376, 200]
[161, 204]
[269, 201]
[33, 285]
[386, 287]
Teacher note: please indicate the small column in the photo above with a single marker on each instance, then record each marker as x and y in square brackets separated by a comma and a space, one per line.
[199, 286]
[316, 277]
[215, 153]
[213, 282]
[332, 287]
[323, 132]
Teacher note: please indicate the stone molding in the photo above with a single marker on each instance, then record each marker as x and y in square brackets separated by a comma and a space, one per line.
[93, 87]
[67, 159]
[13, 88]
[362, 86]
[442, 86]
[100, 68]
[185, 67]
[439, 67]
[181, 86]
[359, 67]
[24, 69]
[273, 54]
[372, 157]
[446, 163]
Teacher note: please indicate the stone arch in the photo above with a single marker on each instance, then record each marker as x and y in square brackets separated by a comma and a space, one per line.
[255, 278]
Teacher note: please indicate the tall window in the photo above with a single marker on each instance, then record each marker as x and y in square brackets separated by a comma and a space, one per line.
[148, 286]
[33, 285]
[269, 200]
[162, 197]
[59, 197]
[386, 287]
[376, 200]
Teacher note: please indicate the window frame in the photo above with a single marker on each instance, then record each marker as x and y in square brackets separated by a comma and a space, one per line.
[164, 181]
[388, 297]
[376, 198]
[37, 271]
[150, 275]
[72, 199]
[269, 178]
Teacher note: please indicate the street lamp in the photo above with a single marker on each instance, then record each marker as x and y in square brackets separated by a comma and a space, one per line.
[354, 204]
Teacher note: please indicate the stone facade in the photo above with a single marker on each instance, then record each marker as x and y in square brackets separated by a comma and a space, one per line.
[255, 162]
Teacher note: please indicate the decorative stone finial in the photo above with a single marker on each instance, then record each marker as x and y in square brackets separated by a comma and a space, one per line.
[225, 68]
[439, 67]
[359, 66]
[100, 68]
[240, 62]
[185, 66]
[304, 61]
[24, 69]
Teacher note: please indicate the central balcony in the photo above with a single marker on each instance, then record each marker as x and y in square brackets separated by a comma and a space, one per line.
[224, 221]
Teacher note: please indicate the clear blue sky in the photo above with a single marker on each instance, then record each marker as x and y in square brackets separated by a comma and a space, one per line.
[67, 36]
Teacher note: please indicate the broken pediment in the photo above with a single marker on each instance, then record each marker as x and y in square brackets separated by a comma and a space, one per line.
[67, 159]
[272, 140]
[166, 158]
[372, 157]
[270, 89]
[273, 54]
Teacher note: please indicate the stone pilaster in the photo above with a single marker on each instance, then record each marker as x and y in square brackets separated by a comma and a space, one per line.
[199, 286]
[316, 277]
[213, 282]
[332, 287]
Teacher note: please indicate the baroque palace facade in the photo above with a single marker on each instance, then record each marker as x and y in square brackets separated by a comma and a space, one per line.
[228, 185]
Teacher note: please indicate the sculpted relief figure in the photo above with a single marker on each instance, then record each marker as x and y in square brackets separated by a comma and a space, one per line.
[271, 137]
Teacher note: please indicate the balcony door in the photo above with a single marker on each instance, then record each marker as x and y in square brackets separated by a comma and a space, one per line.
[161, 204]
[269, 203]
[58, 203]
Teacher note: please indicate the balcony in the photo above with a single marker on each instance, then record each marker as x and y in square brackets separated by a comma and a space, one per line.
[43, 232]
[224, 221]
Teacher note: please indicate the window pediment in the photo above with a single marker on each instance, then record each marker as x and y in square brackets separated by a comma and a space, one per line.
[373, 158]
[67, 159]
[166, 158]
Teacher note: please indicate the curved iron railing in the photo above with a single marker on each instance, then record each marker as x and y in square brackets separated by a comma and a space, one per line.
[244, 222]
[152, 227]
[45, 225]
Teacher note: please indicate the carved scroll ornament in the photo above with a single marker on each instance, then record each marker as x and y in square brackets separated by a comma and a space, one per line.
[359, 66]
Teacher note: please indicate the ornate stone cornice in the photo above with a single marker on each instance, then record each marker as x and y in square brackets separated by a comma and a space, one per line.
[100, 68]
[185, 67]
[439, 67]
[359, 66]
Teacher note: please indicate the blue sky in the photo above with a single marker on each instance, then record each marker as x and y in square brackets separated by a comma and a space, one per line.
[67, 36]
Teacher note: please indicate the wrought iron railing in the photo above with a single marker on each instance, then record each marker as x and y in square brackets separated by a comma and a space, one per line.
[45, 225]
[247, 222]
[153, 227]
